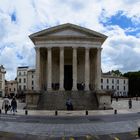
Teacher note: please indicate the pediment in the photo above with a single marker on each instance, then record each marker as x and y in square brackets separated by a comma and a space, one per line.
[67, 30]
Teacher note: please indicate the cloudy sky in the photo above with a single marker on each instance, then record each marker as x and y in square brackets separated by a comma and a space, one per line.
[119, 20]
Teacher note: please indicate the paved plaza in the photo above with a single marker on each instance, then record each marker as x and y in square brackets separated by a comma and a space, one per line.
[121, 106]
[72, 125]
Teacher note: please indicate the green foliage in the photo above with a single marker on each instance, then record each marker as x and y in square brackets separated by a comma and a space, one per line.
[134, 82]
[116, 72]
[135, 74]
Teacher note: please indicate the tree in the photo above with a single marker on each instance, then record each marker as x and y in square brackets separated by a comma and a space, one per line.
[134, 83]
[116, 72]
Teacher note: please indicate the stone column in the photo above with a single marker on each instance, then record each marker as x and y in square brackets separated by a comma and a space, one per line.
[98, 70]
[37, 72]
[87, 71]
[74, 69]
[61, 75]
[49, 59]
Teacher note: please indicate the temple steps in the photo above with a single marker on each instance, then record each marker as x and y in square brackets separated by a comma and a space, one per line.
[56, 100]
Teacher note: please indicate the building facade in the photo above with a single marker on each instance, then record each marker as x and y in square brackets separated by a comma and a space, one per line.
[2, 81]
[68, 56]
[22, 79]
[117, 84]
[11, 88]
[68, 60]
[25, 79]
[31, 79]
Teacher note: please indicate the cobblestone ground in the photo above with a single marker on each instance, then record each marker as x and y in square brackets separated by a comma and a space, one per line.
[119, 136]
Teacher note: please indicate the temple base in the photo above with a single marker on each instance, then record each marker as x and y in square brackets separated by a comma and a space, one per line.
[104, 99]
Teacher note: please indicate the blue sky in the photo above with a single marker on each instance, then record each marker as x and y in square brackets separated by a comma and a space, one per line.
[120, 21]
[123, 22]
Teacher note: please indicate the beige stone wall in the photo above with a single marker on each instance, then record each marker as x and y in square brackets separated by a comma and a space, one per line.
[92, 68]
[55, 65]
[81, 65]
[11, 87]
[2, 80]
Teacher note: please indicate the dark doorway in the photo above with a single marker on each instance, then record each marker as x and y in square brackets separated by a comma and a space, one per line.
[68, 77]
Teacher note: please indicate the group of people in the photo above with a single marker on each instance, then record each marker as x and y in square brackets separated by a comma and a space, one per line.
[6, 105]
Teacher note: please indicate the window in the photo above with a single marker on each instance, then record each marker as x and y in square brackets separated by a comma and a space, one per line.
[14, 89]
[107, 87]
[112, 87]
[101, 86]
[0, 85]
[117, 87]
[9, 89]
[124, 81]
[19, 87]
[24, 73]
[19, 73]
[112, 81]
[32, 88]
[101, 80]
[19, 80]
[124, 87]
[24, 80]
[32, 76]
[32, 82]
[24, 87]
[107, 81]
[117, 81]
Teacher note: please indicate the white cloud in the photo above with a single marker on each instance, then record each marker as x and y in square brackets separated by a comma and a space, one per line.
[120, 51]
[123, 51]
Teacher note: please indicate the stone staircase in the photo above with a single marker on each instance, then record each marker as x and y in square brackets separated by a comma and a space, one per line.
[56, 100]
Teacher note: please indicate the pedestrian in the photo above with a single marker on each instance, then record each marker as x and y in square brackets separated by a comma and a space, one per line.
[14, 105]
[130, 103]
[6, 104]
[69, 104]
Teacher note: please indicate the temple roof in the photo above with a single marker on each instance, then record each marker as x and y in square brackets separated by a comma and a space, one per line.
[68, 30]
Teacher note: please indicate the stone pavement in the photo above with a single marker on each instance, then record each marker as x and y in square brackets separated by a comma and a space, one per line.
[95, 130]
[119, 136]
[68, 129]
[121, 106]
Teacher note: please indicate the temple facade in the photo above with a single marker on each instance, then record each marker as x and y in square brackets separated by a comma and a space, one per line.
[68, 57]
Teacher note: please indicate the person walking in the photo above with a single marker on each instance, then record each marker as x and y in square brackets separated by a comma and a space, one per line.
[14, 105]
[130, 103]
[6, 104]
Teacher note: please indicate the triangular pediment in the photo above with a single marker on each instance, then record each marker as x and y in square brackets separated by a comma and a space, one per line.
[66, 30]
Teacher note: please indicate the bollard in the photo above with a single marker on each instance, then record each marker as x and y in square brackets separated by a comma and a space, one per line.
[115, 111]
[86, 112]
[56, 113]
[0, 111]
[26, 112]
[139, 131]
